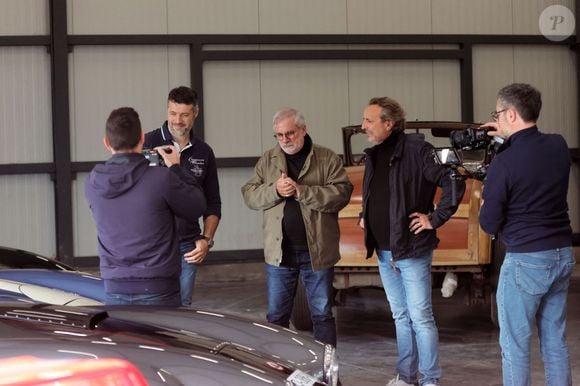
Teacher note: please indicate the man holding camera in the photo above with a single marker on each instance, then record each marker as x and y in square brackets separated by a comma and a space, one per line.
[198, 160]
[525, 203]
[134, 208]
[399, 219]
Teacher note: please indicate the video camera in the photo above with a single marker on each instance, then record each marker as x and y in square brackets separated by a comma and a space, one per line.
[470, 153]
[153, 157]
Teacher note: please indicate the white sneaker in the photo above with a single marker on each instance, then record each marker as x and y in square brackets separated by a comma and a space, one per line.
[429, 384]
[398, 382]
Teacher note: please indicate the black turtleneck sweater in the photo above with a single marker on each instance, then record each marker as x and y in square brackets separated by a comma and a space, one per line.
[293, 229]
[379, 198]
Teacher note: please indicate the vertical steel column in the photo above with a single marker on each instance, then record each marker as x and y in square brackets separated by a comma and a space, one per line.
[61, 130]
[196, 68]
[466, 82]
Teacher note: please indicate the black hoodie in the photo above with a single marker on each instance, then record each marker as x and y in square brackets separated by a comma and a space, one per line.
[134, 208]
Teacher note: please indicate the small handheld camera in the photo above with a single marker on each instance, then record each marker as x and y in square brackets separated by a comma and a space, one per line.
[153, 157]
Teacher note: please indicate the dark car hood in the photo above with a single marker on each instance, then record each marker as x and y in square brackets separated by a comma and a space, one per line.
[170, 346]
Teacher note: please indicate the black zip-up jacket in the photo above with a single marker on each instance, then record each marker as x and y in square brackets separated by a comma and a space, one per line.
[413, 180]
[199, 161]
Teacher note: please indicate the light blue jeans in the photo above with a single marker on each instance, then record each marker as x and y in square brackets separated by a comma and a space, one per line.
[282, 282]
[187, 277]
[407, 284]
[532, 290]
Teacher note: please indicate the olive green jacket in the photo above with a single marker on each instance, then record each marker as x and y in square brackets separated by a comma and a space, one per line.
[324, 190]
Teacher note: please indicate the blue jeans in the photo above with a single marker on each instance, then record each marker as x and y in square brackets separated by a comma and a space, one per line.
[188, 272]
[407, 284]
[282, 282]
[532, 290]
[167, 300]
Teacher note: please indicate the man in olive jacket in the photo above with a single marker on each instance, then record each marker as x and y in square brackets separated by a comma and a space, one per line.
[300, 187]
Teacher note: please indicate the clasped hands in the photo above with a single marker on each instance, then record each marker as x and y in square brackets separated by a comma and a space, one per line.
[287, 187]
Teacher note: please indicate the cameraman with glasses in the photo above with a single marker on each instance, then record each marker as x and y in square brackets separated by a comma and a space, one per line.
[525, 203]
[300, 186]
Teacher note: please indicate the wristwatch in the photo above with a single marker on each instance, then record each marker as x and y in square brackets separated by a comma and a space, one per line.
[209, 241]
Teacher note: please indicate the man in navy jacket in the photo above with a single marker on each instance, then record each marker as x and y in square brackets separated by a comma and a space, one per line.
[197, 160]
[134, 208]
[525, 203]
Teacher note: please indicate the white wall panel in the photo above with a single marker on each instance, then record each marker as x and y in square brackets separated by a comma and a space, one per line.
[28, 216]
[527, 14]
[117, 17]
[24, 17]
[105, 78]
[85, 232]
[303, 17]
[212, 16]
[409, 82]
[232, 108]
[25, 105]
[388, 17]
[551, 70]
[317, 88]
[446, 90]
[472, 17]
[493, 68]
[240, 227]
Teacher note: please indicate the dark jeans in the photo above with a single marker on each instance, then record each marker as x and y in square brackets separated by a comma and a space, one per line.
[282, 282]
[188, 273]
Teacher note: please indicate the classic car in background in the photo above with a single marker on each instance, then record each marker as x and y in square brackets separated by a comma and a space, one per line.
[464, 249]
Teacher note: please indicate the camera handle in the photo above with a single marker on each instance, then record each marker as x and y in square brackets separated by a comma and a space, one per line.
[455, 176]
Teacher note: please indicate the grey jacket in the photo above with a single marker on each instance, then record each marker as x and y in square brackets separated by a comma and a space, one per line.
[325, 190]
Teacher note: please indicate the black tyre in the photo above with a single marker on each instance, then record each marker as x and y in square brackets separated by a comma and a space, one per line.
[301, 312]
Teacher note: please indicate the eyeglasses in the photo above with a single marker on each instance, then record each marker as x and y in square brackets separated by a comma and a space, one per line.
[280, 136]
[495, 114]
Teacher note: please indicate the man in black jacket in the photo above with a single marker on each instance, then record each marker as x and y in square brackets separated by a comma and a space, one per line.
[134, 208]
[198, 160]
[399, 219]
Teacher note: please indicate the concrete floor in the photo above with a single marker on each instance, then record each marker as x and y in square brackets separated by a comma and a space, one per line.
[469, 349]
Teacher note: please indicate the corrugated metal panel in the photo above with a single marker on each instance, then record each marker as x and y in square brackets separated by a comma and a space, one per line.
[24, 17]
[527, 13]
[25, 105]
[409, 82]
[85, 232]
[472, 17]
[232, 108]
[28, 215]
[240, 227]
[105, 78]
[117, 17]
[318, 88]
[388, 17]
[551, 69]
[493, 68]
[212, 16]
[303, 17]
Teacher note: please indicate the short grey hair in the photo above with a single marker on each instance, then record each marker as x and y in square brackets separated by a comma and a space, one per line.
[299, 120]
